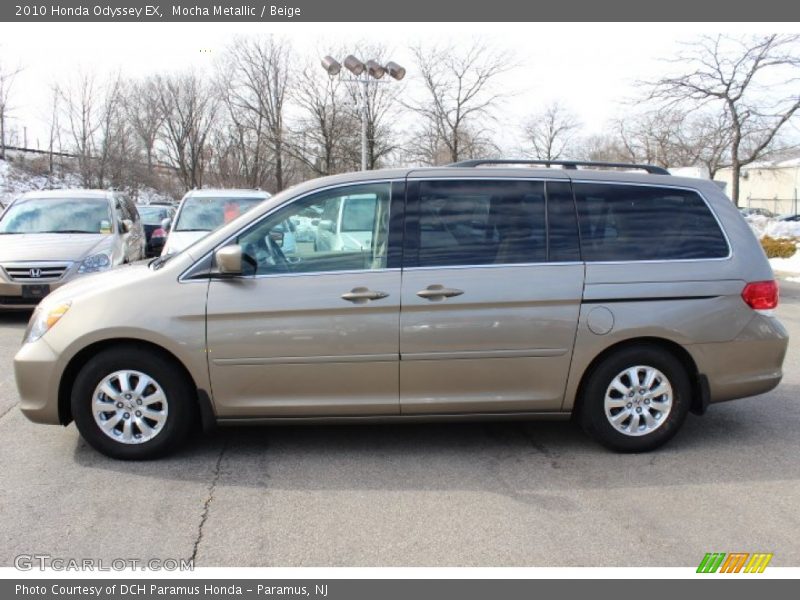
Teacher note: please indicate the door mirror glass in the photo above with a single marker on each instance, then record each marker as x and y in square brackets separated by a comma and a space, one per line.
[229, 260]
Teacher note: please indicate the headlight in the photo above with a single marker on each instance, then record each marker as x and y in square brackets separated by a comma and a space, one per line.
[94, 263]
[43, 320]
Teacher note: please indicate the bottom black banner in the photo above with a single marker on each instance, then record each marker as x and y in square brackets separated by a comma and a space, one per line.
[384, 589]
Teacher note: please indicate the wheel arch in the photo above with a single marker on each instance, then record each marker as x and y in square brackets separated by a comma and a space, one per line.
[80, 359]
[699, 391]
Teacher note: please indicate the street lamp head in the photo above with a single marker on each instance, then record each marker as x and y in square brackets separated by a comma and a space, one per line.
[375, 69]
[355, 66]
[395, 70]
[331, 65]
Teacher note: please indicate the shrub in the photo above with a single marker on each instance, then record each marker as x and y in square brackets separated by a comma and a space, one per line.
[775, 248]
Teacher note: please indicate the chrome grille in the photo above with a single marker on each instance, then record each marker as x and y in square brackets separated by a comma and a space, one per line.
[35, 272]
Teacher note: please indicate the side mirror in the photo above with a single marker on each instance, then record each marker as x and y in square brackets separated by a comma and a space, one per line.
[229, 260]
[326, 224]
[166, 224]
[127, 225]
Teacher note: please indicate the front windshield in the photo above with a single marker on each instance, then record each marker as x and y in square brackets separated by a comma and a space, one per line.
[208, 213]
[153, 215]
[57, 215]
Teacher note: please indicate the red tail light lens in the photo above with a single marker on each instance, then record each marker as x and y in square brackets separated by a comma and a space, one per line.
[159, 233]
[761, 295]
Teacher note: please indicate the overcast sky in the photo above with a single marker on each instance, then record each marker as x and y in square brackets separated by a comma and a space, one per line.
[590, 67]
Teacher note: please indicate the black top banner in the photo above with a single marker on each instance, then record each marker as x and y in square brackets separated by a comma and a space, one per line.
[409, 10]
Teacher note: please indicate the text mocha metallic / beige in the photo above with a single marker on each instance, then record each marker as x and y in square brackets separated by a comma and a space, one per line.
[623, 299]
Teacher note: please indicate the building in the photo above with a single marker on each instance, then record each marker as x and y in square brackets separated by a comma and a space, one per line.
[772, 185]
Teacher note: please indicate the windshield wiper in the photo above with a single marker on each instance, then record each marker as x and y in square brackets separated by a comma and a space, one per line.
[209, 230]
[67, 231]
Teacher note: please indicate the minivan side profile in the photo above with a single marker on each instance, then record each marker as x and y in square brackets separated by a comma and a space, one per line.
[622, 299]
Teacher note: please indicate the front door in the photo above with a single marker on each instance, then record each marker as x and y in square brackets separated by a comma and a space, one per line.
[490, 298]
[312, 330]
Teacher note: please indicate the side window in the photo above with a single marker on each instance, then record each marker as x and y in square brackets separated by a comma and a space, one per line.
[122, 213]
[630, 222]
[481, 222]
[336, 230]
[562, 223]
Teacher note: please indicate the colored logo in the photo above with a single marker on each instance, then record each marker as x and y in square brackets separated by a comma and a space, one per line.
[734, 562]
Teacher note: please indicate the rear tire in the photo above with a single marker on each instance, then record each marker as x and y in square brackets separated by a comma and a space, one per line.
[636, 399]
[132, 404]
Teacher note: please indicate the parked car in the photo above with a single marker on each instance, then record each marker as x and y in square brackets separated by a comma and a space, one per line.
[48, 238]
[761, 212]
[625, 300]
[153, 215]
[202, 211]
[790, 218]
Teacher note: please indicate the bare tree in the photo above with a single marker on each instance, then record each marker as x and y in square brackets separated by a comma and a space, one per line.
[548, 134]
[460, 96]
[7, 76]
[189, 107]
[79, 100]
[145, 114]
[258, 87]
[325, 140]
[752, 81]
[54, 133]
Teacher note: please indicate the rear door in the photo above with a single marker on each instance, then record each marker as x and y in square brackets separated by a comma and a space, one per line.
[490, 295]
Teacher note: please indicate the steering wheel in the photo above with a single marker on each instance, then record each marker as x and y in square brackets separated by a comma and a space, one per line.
[281, 262]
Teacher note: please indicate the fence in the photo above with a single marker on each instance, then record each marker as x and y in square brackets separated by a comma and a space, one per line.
[779, 206]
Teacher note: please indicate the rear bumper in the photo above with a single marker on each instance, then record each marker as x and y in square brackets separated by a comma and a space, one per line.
[37, 373]
[748, 365]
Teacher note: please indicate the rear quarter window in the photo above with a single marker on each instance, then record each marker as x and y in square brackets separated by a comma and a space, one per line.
[634, 223]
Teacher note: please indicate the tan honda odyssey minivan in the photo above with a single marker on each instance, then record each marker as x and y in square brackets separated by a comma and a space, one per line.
[481, 290]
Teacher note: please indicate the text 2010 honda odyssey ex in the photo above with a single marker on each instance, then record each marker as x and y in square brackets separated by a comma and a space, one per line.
[626, 299]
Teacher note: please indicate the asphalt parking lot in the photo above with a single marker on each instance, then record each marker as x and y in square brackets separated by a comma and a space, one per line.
[495, 494]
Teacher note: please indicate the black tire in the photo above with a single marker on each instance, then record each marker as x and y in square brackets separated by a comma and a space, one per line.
[180, 394]
[592, 415]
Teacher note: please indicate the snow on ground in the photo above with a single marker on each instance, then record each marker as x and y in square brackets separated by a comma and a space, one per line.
[774, 228]
[786, 265]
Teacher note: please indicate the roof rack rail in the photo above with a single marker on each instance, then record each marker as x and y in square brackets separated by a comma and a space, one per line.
[567, 164]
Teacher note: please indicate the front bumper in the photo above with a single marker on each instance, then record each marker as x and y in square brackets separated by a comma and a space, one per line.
[38, 372]
[11, 294]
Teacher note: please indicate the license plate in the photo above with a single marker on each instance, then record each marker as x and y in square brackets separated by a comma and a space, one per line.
[35, 292]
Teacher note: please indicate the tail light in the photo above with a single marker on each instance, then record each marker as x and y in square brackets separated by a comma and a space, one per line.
[761, 295]
[159, 233]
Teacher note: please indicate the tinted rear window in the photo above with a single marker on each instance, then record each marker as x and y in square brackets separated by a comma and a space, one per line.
[481, 222]
[631, 222]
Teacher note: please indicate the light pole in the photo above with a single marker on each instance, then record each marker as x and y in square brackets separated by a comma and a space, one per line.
[364, 74]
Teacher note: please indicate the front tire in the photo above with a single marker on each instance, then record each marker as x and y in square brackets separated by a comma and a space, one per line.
[132, 404]
[636, 399]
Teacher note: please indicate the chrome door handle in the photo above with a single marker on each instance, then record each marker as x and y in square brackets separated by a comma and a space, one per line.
[362, 295]
[438, 292]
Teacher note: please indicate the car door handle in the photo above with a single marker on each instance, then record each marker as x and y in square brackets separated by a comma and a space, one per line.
[362, 295]
[438, 292]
